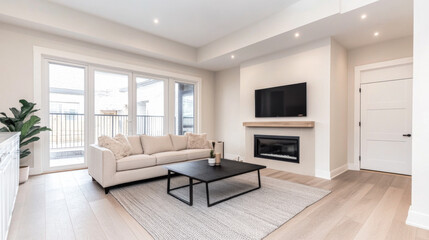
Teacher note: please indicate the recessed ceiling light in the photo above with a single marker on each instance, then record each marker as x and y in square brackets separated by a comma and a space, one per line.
[376, 34]
[297, 34]
[232, 56]
[363, 16]
[155, 20]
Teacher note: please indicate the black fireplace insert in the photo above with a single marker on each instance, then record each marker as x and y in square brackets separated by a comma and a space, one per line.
[282, 148]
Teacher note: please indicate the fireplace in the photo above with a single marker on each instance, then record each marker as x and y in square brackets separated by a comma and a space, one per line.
[282, 148]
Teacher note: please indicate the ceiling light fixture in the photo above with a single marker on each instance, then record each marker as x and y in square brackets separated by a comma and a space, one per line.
[297, 35]
[232, 56]
[376, 34]
[363, 16]
[156, 21]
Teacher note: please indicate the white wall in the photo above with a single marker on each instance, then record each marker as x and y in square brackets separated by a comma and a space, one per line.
[308, 63]
[384, 51]
[338, 116]
[228, 126]
[16, 67]
[419, 211]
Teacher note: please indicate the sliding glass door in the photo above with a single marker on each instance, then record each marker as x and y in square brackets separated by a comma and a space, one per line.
[66, 115]
[111, 103]
[184, 114]
[150, 105]
[85, 102]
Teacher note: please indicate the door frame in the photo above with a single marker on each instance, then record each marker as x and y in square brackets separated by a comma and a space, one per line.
[359, 70]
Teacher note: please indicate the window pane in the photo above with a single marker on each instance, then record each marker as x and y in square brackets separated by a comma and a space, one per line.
[150, 106]
[184, 113]
[66, 110]
[110, 103]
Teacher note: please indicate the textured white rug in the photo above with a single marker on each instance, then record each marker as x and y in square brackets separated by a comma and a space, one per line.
[250, 216]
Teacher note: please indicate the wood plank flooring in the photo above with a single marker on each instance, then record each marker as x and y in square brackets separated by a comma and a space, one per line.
[362, 205]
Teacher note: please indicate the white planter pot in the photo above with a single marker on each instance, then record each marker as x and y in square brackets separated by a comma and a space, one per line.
[211, 161]
[24, 172]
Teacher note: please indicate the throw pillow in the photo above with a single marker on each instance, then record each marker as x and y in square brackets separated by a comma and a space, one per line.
[136, 145]
[158, 144]
[179, 142]
[117, 145]
[197, 141]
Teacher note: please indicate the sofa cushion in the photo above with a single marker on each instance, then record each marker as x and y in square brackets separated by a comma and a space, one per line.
[197, 141]
[135, 162]
[179, 142]
[158, 144]
[119, 145]
[170, 157]
[136, 145]
[197, 153]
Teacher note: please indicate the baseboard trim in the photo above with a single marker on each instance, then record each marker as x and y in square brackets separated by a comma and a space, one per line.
[233, 156]
[417, 219]
[322, 174]
[338, 171]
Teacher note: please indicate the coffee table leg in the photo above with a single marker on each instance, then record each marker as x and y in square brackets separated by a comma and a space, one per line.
[191, 195]
[207, 194]
[168, 181]
[236, 195]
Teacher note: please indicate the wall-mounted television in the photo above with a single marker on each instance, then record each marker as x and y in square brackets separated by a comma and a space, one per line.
[282, 101]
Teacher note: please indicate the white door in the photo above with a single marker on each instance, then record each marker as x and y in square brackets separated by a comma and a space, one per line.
[386, 126]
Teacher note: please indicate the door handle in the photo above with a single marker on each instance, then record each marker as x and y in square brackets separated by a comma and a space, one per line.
[406, 135]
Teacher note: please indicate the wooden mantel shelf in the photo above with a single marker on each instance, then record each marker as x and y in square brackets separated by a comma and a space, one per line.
[281, 124]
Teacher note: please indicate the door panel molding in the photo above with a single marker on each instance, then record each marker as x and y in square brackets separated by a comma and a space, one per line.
[355, 164]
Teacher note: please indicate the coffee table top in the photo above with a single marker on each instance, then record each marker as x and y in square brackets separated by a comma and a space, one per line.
[202, 171]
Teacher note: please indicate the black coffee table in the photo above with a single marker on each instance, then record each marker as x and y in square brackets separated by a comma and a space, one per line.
[202, 172]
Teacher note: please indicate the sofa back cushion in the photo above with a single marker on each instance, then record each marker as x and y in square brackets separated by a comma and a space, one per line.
[157, 144]
[179, 142]
[197, 141]
[119, 145]
[136, 145]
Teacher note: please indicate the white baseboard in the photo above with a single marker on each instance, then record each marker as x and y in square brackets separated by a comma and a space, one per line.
[336, 172]
[417, 219]
[322, 174]
[233, 156]
[34, 171]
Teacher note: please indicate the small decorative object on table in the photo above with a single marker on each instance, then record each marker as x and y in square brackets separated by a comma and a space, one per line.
[217, 162]
[211, 160]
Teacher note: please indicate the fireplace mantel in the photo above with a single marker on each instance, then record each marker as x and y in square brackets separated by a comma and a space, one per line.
[281, 124]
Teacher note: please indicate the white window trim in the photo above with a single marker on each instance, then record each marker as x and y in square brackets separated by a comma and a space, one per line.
[41, 53]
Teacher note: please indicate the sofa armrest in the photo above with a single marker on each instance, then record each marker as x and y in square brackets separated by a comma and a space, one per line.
[218, 148]
[102, 165]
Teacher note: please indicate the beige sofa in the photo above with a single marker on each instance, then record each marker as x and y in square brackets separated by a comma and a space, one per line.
[108, 171]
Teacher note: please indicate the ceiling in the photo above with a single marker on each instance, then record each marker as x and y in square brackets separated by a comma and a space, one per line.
[206, 33]
[191, 22]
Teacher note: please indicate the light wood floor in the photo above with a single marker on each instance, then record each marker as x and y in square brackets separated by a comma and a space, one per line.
[362, 205]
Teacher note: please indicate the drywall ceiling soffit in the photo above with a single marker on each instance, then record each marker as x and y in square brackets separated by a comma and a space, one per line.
[314, 19]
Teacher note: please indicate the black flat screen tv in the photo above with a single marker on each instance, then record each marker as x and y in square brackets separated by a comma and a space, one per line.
[283, 101]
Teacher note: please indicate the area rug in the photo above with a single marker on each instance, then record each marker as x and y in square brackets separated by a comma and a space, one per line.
[250, 216]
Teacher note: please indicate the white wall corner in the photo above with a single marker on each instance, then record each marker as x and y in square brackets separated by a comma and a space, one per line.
[417, 219]
[338, 171]
[354, 166]
[323, 174]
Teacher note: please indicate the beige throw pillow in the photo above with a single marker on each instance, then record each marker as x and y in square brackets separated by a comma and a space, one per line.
[119, 145]
[158, 144]
[179, 142]
[136, 145]
[197, 141]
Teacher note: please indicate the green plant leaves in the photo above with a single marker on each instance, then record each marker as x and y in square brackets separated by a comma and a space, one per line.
[33, 139]
[27, 128]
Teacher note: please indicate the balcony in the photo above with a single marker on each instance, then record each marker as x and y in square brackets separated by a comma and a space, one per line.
[67, 137]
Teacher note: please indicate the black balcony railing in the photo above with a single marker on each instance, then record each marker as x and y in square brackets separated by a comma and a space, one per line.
[68, 128]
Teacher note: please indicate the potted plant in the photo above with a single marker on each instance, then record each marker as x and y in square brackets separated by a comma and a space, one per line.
[26, 124]
[211, 159]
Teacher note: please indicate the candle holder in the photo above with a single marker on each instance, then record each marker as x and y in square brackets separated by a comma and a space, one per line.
[217, 159]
